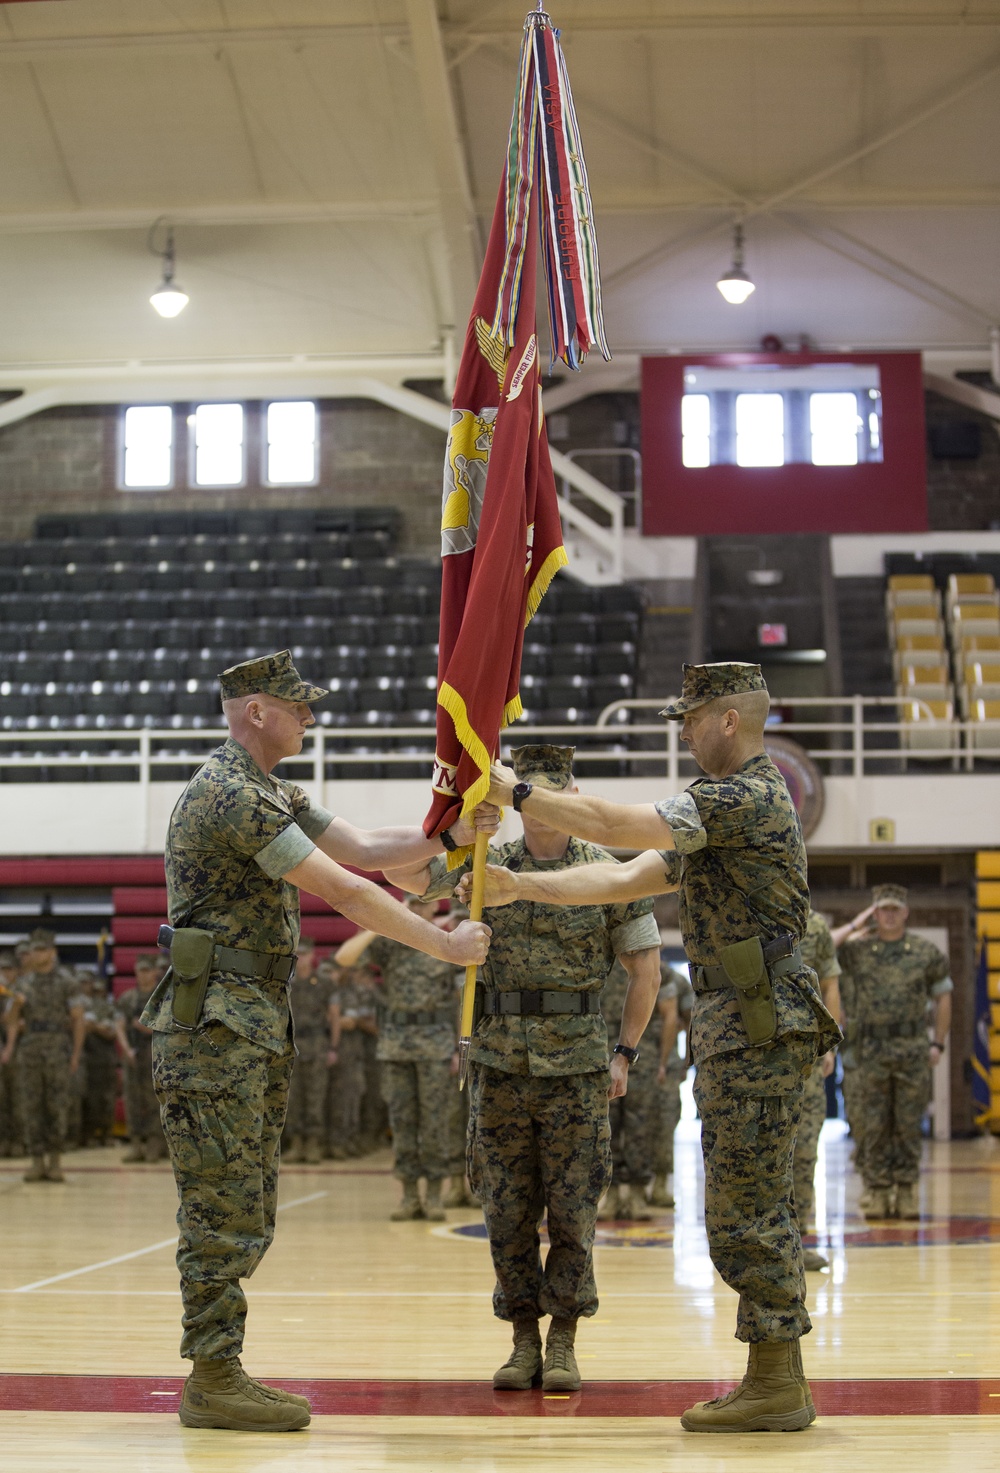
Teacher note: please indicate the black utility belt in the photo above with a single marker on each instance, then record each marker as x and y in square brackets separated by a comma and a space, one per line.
[264, 966]
[417, 1017]
[781, 955]
[539, 1003]
[883, 1031]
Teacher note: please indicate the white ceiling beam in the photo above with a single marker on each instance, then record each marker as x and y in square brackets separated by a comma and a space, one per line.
[38, 46]
[696, 22]
[448, 155]
[970, 395]
[42, 222]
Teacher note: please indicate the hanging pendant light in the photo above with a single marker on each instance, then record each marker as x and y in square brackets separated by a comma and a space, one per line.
[736, 285]
[168, 299]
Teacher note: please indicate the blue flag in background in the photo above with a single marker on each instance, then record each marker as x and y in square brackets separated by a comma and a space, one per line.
[982, 1097]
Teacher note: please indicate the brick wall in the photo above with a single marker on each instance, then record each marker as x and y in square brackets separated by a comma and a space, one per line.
[963, 495]
[66, 459]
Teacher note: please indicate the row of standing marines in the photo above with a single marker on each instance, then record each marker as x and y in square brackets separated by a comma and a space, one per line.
[561, 913]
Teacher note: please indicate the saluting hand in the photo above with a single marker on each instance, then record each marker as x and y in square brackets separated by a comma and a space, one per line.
[469, 943]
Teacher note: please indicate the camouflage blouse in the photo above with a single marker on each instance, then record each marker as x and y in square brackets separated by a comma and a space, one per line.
[415, 983]
[234, 833]
[890, 983]
[47, 1000]
[562, 948]
[740, 863]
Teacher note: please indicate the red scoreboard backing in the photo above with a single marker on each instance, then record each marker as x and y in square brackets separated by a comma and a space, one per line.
[886, 496]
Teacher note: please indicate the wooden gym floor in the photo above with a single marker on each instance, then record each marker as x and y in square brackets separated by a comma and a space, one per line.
[388, 1327]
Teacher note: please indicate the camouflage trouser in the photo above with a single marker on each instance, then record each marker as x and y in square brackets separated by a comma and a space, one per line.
[142, 1111]
[307, 1095]
[44, 1091]
[668, 1100]
[851, 1085]
[11, 1140]
[222, 1101]
[540, 1144]
[346, 1090]
[749, 1105]
[633, 1125]
[811, 1118]
[100, 1090]
[458, 1130]
[418, 1096]
[374, 1114]
[895, 1093]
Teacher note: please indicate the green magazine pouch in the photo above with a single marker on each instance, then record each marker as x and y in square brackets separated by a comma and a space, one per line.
[746, 969]
[191, 954]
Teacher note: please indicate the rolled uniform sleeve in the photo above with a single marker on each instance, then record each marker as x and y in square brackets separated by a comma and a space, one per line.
[939, 988]
[263, 830]
[686, 825]
[639, 933]
[443, 880]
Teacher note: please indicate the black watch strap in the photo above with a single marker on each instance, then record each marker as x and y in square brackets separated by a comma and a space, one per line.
[631, 1054]
[521, 791]
[447, 841]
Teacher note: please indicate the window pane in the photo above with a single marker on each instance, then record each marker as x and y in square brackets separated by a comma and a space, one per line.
[291, 443]
[149, 438]
[218, 439]
[760, 429]
[834, 425]
[696, 424]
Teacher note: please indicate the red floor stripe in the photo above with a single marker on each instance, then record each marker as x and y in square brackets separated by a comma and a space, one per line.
[911, 1398]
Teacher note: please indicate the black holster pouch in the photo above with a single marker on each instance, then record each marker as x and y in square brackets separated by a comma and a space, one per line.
[191, 954]
[746, 969]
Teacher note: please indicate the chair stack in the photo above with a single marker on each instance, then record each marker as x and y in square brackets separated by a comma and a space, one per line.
[973, 611]
[920, 660]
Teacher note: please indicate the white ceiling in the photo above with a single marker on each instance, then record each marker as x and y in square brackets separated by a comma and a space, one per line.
[330, 167]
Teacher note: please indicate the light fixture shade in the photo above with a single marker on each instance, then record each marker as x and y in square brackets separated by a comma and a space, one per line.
[168, 299]
[735, 286]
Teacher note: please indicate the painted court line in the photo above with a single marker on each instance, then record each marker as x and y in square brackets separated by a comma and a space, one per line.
[89, 1268]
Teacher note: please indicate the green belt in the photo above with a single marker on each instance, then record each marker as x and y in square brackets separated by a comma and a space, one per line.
[714, 979]
[418, 1017]
[265, 966]
[890, 1030]
[540, 1003]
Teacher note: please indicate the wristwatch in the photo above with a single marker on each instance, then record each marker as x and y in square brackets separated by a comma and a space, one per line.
[631, 1054]
[935, 1044]
[447, 840]
[521, 791]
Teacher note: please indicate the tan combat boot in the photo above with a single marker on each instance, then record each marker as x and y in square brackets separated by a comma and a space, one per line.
[907, 1202]
[294, 1151]
[813, 1261]
[36, 1171]
[155, 1149]
[218, 1393]
[772, 1397]
[273, 1391]
[135, 1153]
[638, 1207]
[560, 1371]
[523, 1367]
[313, 1153]
[875, 1205]
[410, 1207]
[607, 1208]
[660, 1195]
[53, 1170]
[433, 1211]
[457, 1195]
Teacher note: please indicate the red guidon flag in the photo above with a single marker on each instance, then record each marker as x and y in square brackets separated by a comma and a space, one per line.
[501, 536]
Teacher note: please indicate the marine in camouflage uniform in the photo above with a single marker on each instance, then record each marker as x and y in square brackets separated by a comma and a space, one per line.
[310, 998]
[11, 1143]
[738, 861]
[142, 1110]
[417, 1023]
[819, 953]
[633, 1115]
[894, 976]
[353, 1005]
[540, 1136]
[46, 1028]
[677, 999]
[100, 1060]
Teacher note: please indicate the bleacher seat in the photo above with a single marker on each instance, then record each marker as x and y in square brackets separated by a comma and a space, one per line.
[969, 588]
[928, 726]
[985, 716]
[928, 682]
[919, 649]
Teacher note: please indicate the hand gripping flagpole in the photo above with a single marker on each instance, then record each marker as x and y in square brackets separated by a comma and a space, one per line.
[471, 972]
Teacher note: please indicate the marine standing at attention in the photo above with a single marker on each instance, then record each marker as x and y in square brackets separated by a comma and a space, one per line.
[240, 844]
[540, 1137]
[819, 953]
[732, 845]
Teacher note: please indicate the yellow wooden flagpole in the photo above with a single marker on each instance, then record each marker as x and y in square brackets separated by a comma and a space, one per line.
[471, 972]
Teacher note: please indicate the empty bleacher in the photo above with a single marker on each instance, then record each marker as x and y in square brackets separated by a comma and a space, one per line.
[113, 623]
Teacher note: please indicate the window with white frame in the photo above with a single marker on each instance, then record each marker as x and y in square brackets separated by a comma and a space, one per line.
[834, 423]
[148, 447]
[218, 445]
[291, 443]
[760, 429]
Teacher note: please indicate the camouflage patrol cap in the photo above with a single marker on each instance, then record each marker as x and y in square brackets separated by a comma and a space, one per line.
[270, 675]
[704, 683]
[545, 766]
[890, 895]
[41, 936]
